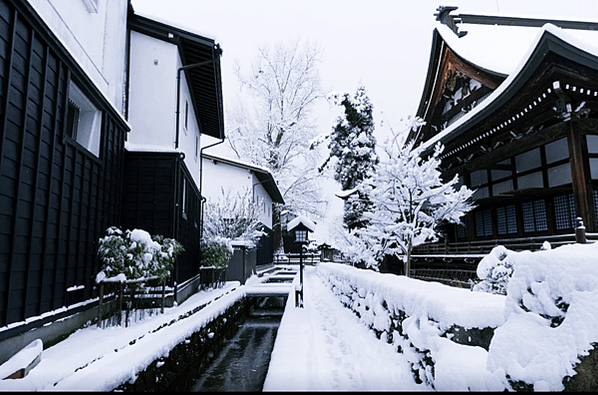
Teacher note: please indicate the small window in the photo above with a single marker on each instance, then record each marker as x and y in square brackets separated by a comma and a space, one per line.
[592, 141]
[84, 120]
[186, 115]
[594, 168]
[506, 220]
[499, 174]
[534, 216]
[564, 211]
[557, 150]
[478, 177]
[461, 231]
[481, 193]
[196, 147]
[533, 180]
[483, 223]
[559, 175]
[528, 160]
[502, 187]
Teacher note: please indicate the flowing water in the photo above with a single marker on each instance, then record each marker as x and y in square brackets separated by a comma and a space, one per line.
[242, 362]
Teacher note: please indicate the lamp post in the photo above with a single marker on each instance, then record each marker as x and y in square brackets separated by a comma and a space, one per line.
[301, 226]
[301, 239]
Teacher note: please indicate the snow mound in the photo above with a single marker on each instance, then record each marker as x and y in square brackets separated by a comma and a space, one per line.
[550, 313]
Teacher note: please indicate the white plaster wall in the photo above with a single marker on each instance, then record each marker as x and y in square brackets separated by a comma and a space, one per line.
[95, 38]
[236, 180]
[152, 102]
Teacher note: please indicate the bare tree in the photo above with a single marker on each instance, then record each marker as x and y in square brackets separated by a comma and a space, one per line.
[273, 122]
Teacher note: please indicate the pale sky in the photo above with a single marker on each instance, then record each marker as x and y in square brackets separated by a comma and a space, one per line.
[383, 44]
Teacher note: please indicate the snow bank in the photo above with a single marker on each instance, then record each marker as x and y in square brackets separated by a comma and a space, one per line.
[544, 324]
[550, 312]
[419, 318]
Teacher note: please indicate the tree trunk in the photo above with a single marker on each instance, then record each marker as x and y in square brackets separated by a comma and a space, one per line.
[408, 263]
[276, 227]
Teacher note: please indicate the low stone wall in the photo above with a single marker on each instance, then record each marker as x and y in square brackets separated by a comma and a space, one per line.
[392, 309]
[394, 312]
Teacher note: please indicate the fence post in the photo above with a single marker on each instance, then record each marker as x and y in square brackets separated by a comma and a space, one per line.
[163, 295]
[580, 231]
[100, 304]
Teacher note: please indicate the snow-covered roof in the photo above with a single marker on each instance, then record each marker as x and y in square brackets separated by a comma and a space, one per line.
[580, 40]
[262, 174]
[301, 219]
[502, 48]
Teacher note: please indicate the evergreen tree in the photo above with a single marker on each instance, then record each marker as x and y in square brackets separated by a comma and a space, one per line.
[353, 144]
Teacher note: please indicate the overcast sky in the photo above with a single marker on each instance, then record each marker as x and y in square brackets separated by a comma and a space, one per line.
[383, 44]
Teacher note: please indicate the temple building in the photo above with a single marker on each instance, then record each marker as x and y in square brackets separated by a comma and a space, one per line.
[514, 102]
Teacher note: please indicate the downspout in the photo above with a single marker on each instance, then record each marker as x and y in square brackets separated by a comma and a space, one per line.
[203, 199]
[178, 93]
[176, 142]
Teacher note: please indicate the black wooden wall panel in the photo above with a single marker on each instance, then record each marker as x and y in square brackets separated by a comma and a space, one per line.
[151, 193]
[56, 198]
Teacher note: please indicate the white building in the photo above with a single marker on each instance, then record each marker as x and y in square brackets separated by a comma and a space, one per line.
[234, 177]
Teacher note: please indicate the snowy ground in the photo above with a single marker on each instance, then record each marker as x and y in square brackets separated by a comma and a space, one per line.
[548, 322]
[323, 347]
[319, 347]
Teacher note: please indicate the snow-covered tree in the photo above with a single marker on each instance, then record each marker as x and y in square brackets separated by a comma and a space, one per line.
[352, 141]
[353, 146]
[272, 123]
[409, 200]
[232, 216]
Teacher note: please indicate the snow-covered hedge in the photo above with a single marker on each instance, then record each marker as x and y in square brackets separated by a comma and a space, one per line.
[544, 324]
[419, 318]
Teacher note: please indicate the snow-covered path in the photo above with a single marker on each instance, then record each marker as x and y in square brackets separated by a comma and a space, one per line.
[324, 347]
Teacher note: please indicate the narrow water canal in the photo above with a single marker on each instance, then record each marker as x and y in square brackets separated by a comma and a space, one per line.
[242, 362]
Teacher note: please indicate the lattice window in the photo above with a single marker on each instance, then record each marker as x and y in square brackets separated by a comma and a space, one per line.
[564, 211]
[596, 201]
[534, 216]
[483, 223]
[506, 220]
[461, 231]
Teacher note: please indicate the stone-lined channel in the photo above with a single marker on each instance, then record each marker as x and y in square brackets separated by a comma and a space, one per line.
[242, 363]
[230, 353]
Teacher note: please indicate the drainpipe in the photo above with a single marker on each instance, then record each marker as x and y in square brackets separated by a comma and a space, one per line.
[203, 199]
[178, 93]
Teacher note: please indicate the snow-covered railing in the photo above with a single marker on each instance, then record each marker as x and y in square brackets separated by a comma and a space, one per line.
[532, 243]
[121, 282]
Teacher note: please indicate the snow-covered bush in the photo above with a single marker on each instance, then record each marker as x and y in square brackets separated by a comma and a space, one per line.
[550, 313]
[419, 320]
[135, 254]
[495, 270]
[215, 254]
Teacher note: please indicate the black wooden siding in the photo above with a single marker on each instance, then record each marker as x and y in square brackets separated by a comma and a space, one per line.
[152, 201]
[56, 198]
[265, 248]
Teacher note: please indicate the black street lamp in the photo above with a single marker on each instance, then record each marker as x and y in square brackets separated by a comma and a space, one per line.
[301, 226]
